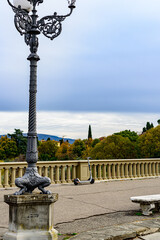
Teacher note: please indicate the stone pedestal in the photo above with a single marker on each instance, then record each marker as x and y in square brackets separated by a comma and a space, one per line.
[31, 217]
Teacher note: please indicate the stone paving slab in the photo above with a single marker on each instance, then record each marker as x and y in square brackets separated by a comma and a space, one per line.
[153, 223]
[143, 230]
[154, 236]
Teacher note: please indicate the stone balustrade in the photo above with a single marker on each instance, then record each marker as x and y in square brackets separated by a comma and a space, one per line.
[66, 171]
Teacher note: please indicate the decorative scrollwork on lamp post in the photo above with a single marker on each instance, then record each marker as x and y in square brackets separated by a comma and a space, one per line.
[28, 25]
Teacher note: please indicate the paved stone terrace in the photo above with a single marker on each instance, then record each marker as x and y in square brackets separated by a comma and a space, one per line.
[98, 211]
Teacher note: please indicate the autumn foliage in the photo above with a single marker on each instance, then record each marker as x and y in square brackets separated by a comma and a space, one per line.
[123, 145]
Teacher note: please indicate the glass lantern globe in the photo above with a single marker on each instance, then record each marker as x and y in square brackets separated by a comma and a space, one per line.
[25, 4]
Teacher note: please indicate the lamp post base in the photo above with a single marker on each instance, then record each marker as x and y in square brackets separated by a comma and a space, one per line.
[31, 217]
[32, 180]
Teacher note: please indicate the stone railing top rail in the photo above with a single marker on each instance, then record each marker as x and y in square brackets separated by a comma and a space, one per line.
[75, 162]
[124, 160]
[44, 163]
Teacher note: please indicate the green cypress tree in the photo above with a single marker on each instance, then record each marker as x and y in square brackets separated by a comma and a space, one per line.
[89, 133]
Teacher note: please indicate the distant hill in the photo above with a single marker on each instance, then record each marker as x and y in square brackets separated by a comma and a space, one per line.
[55, 138]
[46, 136]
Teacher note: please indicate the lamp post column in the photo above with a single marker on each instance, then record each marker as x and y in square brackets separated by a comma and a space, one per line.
[32, 152]
[32, 40]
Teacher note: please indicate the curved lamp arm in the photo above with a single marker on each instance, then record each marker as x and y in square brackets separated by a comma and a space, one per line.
[22, 20]
[51, 25]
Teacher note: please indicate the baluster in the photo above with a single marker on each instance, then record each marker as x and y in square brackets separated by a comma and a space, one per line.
[6, 178]
[69, 174]
[13, 177]
[73, 172]
[157, 169]
[122, 170]
[138, 170]
[63, 180]
[52, 175]
[150, 169]
[99, 172]
[126, 170]
[130, 170]
[153, 169]
[146, 169]
[113, 171]
[104, 172]
[142, 170]
[20, 172]
[94, 172]
[46, 171]
[118, 171]
[134, 170]
[57, 175]
[109, 171]
[1, 186]
[40, 170]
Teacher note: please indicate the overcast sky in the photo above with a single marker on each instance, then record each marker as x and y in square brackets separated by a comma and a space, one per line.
[75, 124]
[107, 59]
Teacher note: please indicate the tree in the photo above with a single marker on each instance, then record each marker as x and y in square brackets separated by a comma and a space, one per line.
[95, 141]
[8, 148]
[89, 133]
[148, 126]
[144, 130]
[20, 140]
[158, 121]
[149, 143]
[77, 148]
[64, 152]
[2, 153]
[133, 136]
[47, 150]
[61, 141]
[87, 152]
[114, 147]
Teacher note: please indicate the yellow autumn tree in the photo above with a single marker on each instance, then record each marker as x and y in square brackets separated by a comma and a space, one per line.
[149, 143]
[8, 148]
[114, 147]
[64, 152]
[47, 150]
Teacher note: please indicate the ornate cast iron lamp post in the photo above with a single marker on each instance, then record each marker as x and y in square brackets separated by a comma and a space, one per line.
[29, 26]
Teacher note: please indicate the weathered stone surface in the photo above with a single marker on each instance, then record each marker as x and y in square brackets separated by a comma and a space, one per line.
[31, 199]
[133, 227]
[150, 231]
[153, 223]
[120, 232]
[146, 199]
[31, 217]
[154, 236]
[114, 233]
